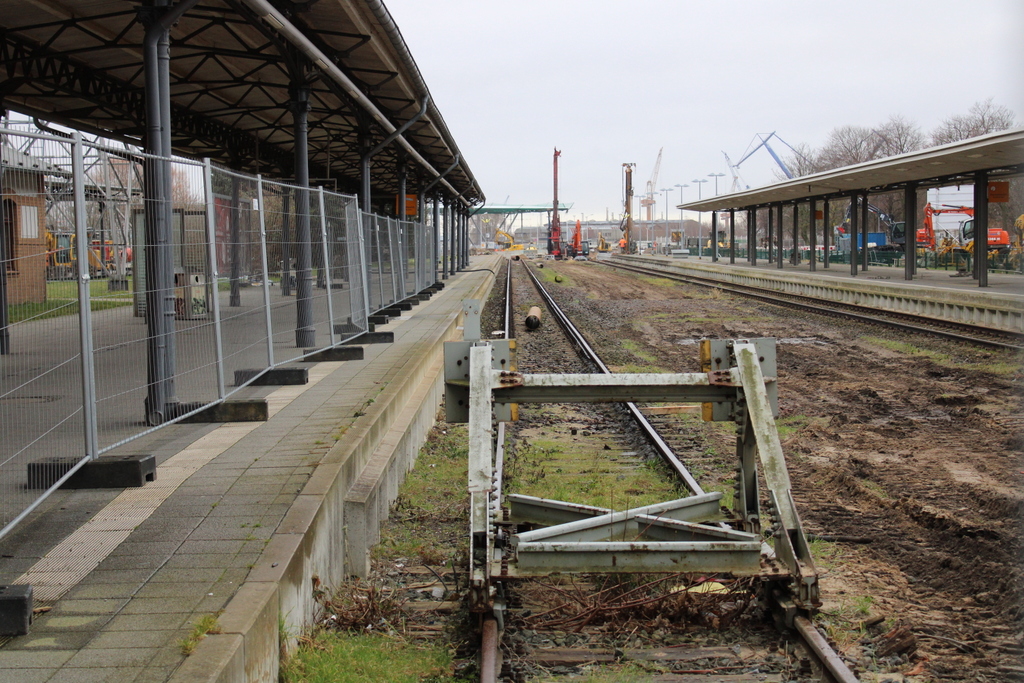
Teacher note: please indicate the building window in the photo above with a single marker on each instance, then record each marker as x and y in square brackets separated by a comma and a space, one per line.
[7, 239]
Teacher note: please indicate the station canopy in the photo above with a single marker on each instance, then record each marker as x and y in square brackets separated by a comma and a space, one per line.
[516, 208]
[233, 65]
[1000, 154]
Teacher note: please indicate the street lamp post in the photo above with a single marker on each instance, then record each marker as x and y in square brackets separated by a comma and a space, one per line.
[680, 210]
[666, 190]
[716, 176]
[700, 228]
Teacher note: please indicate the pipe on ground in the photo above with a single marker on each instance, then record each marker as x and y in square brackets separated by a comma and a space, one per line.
[533, 318]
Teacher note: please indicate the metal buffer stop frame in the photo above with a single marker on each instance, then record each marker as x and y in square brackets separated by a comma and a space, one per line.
[693, 534]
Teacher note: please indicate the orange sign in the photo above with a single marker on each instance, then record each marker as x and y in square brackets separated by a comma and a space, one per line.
[818, 214]
[999, 191]
[410, 205]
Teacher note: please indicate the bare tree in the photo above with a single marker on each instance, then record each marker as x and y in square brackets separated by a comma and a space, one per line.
[898, 136]
[983, 117]
[848, 145]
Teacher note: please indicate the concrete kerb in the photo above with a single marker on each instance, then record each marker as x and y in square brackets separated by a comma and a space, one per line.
[995, 309]
[311, 540]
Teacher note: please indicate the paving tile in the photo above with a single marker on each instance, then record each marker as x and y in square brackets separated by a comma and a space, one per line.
[23, 659]
[103, 590]
[131, 639]
[146, 622]
[70, 622]
[178, 603]
[97, 675]
[171, 589]
[137, 576]
[50, 640]
[168, 657]
[128, 562]
[211, 547]
[95, 657]
[200, 575]
[146, 547]
[67, 606]
[30, 675]
[154, 675]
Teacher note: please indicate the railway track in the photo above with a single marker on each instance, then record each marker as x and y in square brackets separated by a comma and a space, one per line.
[964, 332]
[565, 624]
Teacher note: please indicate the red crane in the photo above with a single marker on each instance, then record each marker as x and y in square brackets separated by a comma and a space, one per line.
[555, 232]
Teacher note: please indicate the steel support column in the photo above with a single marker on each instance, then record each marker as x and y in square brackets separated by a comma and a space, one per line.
[826, 229]
[813, 252]
[5, 335]
[981, 228]
[714, 236]
[794, 257]
[305, 333]
[909, 231]
[853, 233]
[732, 235]
[402, 170]
[436, 233]
[159, 247]
[779, 250]
[453, 255]
[771, 235]
[752, 236]
[446, 238]
[864, 232]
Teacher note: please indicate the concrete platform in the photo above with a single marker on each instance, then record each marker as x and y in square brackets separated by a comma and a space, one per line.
[933, 293]
[240, 519]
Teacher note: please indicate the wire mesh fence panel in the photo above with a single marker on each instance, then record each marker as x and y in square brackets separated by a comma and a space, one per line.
[359, 301]
[186, 298]
[41, 379]
[375, 262]
[343, 267]
[238, 257]
[408, 233]
[394, 261]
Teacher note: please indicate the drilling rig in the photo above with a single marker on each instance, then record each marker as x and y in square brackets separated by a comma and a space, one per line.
[555, 232]
[626, 226]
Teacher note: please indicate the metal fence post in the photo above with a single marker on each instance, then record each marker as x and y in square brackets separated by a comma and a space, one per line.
[266, 271]
[327, 270]
[84, 301]
[214, 275]
[365, 264]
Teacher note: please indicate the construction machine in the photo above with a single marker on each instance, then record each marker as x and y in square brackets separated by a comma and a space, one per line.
[626, 244]
[555, 231]
[575, 247]
[508, 243]
[998, 239]
[602, 245]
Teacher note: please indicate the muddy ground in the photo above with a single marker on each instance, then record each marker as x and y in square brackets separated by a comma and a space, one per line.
[911, 443]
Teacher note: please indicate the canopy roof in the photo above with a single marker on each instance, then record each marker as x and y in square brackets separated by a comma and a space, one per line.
[516, 208]
[233, 64]
[1000, 154]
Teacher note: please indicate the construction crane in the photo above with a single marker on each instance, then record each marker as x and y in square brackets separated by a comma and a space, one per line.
[738, 183]
[735, 168]
[648, 199]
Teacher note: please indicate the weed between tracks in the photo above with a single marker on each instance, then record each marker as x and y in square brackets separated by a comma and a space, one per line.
[402, 623]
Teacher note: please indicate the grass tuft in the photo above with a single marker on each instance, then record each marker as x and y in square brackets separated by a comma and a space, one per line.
[200, 629]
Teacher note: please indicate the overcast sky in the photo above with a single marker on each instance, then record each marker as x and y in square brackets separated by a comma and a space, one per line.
[609, 82]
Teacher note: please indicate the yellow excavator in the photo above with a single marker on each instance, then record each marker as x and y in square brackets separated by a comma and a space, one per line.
[506, 242]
